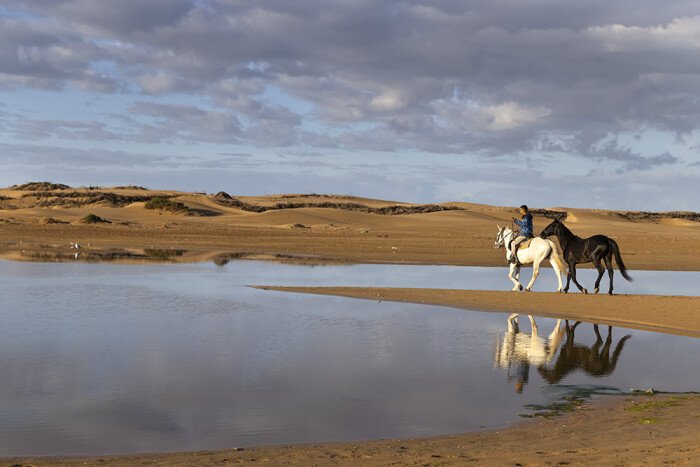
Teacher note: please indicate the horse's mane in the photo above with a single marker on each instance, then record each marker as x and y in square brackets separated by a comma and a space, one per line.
[566, 231]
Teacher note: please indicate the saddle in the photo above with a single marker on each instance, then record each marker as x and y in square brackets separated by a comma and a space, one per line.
[525, 244]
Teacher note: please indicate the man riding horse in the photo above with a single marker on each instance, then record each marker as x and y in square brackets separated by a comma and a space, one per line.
[526, 229]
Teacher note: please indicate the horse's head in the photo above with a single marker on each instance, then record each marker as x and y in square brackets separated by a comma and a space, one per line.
[551, 229]
[501, 236]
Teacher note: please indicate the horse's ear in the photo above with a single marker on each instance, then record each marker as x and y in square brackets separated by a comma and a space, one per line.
[499, 227]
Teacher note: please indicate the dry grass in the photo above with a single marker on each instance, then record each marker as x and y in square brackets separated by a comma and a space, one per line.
[80, 198]
[164, 204]
[40, 186]
[657, 216]
[224, 199]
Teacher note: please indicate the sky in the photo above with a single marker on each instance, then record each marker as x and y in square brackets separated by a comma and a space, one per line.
[545, 102]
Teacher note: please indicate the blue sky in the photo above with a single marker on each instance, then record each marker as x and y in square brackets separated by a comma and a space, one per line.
[548, 103]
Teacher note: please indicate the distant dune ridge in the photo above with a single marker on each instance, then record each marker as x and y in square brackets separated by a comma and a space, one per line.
[225, 199]
[325, 226]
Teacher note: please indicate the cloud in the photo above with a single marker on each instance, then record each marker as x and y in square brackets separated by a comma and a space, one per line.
[483, 79]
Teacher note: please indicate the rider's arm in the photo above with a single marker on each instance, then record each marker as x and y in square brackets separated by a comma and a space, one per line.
[520, 223]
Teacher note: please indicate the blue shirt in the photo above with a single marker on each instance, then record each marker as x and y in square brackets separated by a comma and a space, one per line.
[525, 225]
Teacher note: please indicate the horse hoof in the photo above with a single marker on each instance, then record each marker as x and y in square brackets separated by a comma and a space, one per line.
[610, 293]
[595, 290]
[520, 288]
[566, 291]
[585, 291]
[528, 290]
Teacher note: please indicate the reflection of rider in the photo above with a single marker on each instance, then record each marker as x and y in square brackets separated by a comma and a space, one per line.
[526, 229]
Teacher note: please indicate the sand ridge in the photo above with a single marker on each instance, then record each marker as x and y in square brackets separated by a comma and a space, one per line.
[456, 237]
[670, 314]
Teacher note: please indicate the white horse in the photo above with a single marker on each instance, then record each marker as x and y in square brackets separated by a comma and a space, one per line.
[537, 251]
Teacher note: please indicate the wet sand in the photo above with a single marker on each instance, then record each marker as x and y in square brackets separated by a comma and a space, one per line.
[669, 314]
[618, 430]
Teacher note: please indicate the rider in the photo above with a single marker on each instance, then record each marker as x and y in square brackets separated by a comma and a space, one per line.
[526, 229]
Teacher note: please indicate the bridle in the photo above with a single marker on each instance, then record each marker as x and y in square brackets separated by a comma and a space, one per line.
[501, 238]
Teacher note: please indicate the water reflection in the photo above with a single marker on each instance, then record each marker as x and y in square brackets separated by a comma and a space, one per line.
[516, 351]
[109, 358]
[286, 269]
[75, 252]
[595, 360]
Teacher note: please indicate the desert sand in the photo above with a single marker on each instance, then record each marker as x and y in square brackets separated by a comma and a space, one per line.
[41, 222]
[47, 220]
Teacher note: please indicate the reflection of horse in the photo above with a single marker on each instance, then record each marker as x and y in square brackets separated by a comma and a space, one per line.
[534, 253]
[518, 350]
[595, 360]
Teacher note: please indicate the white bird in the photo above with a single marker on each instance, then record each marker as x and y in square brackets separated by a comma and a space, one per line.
[74, 246]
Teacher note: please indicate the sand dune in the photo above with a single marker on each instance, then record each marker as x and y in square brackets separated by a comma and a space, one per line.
[460, 237]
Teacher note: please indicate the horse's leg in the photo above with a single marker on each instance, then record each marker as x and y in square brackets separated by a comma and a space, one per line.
[599, 266]
[535, 273]
[597, 333]
[609, 266]
[568, 277]
[557, 326]
[516, 274]
[512, 275]
[557, 271]
[513, 323]
[533, 325]
[572, 270]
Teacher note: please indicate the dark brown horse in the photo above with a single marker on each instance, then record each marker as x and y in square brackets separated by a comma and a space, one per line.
[596, 249]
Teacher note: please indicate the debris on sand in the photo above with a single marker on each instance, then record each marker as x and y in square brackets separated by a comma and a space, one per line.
[51, 220]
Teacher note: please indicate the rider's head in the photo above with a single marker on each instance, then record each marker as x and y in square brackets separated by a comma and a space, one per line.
[523, 209]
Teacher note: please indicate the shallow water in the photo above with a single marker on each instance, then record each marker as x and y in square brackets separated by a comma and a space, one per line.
[105, 358]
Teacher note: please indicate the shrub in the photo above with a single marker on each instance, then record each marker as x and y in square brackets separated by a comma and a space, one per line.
[94, 219]
[165, 204]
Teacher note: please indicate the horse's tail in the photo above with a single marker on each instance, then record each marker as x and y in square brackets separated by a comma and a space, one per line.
[557, 256]
[618, 260]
